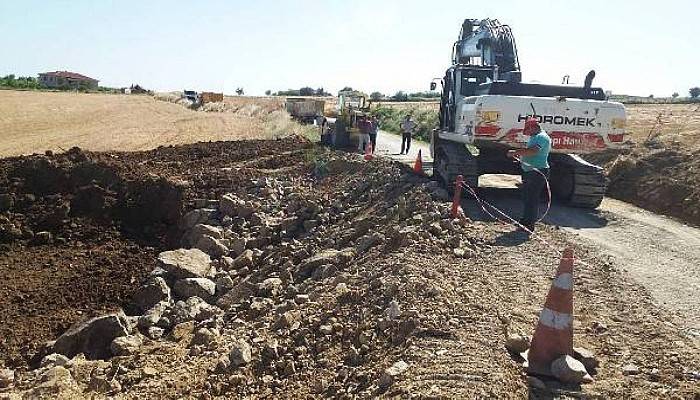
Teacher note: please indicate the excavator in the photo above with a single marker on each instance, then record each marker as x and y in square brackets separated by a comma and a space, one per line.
[484, 104]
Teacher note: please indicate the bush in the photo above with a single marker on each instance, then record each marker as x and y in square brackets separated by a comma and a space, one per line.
[22, 82]
[390, 120]
[400, 96]
[376, 96]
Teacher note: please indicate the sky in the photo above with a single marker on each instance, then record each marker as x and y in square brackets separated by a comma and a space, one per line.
[636, 47]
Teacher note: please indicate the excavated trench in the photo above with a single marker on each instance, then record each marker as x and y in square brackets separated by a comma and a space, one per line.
[80, 230]
[76, 234]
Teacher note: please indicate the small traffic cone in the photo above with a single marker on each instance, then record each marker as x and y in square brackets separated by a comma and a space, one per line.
[418, 166]
[554, 335]
[368, 151]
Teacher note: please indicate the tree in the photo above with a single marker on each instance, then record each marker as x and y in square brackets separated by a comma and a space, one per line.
[400, 96]
[675, 95]
[306, 91]
[346, 89]
[268, 92]
[321, 92]
[694, 92]
[239, 91]
[376, 96]
[651, 96]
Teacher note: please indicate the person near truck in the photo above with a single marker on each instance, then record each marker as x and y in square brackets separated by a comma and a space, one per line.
[373, 132]
[365, 127]
[407, 128]
[535, 171]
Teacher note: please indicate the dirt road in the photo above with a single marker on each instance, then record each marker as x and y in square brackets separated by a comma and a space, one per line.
[660, 253]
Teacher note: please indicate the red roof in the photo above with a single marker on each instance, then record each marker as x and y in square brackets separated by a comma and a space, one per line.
[66, 74]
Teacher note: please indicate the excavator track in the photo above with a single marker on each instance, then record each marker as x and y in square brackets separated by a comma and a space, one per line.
[577, 182]
[453, 159]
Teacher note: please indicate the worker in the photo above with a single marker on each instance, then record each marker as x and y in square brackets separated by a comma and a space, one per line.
[407, 128]
[373, 132]
[535, 171]
[365, 127]
[322, 123]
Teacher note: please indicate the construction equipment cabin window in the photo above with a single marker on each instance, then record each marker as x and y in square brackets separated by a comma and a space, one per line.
[471, 81]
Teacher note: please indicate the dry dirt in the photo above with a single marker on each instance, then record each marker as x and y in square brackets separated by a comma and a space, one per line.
[459, 286]
[32, 122]
[660, 170]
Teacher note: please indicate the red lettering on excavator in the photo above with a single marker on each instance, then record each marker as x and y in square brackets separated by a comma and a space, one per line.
[487, 130]
[576, 140]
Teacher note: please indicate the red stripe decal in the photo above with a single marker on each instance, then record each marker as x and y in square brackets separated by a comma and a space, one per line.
[487, 130]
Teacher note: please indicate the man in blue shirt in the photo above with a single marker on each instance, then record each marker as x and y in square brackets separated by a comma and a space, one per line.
[535, 166]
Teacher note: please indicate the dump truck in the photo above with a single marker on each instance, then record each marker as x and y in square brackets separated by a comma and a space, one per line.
[484, 105]
[304, 110]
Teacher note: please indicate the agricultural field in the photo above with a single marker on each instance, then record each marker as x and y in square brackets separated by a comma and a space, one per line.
[669, 124]
[33, 122]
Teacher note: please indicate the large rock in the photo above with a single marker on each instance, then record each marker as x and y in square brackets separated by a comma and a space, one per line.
[232, 206]
[244, 259]
[196, 217]
[212, 246]
[238, 246]
[152, 293]
[390, 374]
[570, 370]
[243, 291]
[54, 360]
[195, 287]
[200, 230]
[326, 257]
[126, 345]
[153, 315]
[92, 337]
[193, 309]
[270, 287]
[7, 377]
[185, 263]
[54, 381]
[240, 354]
[517, 344]
[224, 283]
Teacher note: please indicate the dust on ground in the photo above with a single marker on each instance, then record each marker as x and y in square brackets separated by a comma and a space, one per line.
[350, 267]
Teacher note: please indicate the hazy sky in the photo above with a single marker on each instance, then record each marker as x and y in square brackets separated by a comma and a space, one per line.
[636, 47]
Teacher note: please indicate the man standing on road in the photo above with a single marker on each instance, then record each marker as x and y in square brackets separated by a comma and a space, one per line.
[407, 128]
[373, 132]
[365, 128]
[533, 161]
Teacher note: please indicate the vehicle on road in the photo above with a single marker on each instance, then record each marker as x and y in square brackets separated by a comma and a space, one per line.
[304, 110]
[484, 105]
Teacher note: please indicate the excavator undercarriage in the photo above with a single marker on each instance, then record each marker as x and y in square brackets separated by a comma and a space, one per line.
[573, 181]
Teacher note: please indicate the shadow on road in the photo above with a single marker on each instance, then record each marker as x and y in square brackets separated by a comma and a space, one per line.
[508, 201]
[512, 238]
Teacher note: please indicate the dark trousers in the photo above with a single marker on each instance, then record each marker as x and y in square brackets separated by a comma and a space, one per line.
[533, 183]
[373, 140]
[405, 142]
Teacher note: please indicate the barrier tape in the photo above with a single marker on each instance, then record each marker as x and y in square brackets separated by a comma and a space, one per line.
[546, 182]
[512, 221]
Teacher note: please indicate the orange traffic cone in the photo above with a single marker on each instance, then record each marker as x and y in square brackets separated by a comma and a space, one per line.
[368, 151]
[418, 166]
[554, 335]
